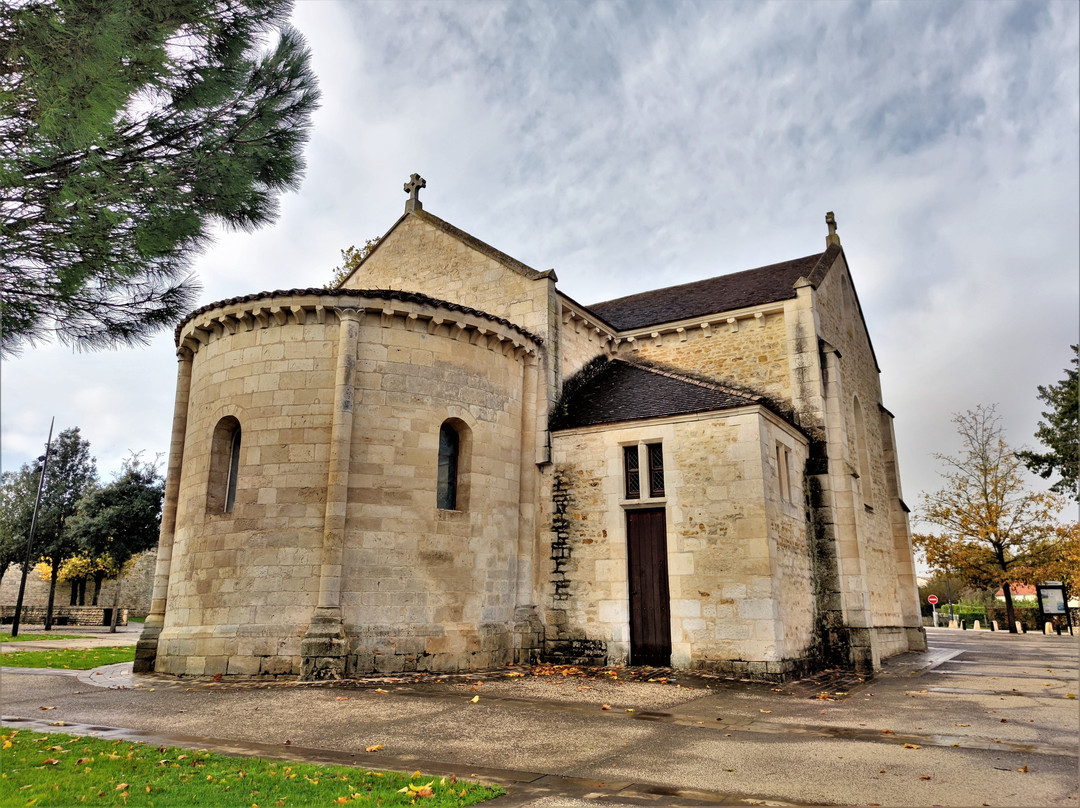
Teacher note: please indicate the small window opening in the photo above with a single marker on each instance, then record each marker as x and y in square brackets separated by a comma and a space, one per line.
[632, 472]
[656, 469]
[449, 450]
[783, 469]
[234, 468]
[224, 466]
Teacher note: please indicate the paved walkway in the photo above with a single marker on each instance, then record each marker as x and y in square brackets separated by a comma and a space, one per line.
[980, 719]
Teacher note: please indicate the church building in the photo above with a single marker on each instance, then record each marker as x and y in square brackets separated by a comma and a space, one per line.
[445, 463]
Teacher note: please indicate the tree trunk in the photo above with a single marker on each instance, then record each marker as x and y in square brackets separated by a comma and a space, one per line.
[52, 596]
[1010, 615]
[74, 593]
[115, 605]
[82, 591]
[98, 578]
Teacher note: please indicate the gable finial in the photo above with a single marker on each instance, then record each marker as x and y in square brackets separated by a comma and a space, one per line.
[831, 240]
[412, 188]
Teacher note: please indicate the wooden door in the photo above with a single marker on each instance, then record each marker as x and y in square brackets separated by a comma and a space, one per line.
[650, 605]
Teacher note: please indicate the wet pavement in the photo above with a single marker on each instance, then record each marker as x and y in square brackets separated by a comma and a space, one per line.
[980, 719]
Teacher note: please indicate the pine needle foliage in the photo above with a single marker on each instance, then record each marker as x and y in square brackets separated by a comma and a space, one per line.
[1059, 433]
[128, 129]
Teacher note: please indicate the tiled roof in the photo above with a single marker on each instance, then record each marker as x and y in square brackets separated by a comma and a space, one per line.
[377, 294]
[752, 287]
[617, 390]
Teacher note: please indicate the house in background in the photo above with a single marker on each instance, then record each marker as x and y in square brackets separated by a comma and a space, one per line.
[446, 463]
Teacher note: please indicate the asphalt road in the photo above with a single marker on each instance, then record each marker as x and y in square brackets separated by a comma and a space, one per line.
[980, 719]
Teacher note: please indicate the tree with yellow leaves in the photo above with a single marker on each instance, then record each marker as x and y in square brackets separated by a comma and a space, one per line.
[993, 529]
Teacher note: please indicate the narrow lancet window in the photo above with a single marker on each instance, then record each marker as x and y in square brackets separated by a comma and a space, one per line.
[234, 468]
[656, 469]
[224, 466]
[632, 472]
[449, 449]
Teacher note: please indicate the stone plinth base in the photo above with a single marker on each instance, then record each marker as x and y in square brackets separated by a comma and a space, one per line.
[322, 650]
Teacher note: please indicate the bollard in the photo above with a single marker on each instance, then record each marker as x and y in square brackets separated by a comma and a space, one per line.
[978, 625]
[993, 625]
[952, 624]
[1048, 628]
[1019, 627]
[963, 625]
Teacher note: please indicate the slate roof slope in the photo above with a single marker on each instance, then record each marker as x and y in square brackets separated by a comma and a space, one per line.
[618, 390]
[751, 287]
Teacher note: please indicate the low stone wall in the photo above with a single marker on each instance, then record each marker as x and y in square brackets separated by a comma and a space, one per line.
[65, 615]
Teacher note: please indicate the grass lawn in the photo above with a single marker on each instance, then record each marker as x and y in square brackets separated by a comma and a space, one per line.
[36, 637]
[61, 770]
[67, 658]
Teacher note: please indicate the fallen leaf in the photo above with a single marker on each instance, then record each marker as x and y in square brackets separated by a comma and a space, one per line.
[1070, 695]
[57, 724]
[924, 776]
[764, 711]
[379, 690]
[51, 761]
[911, 746]
[631, 709]
[341, 698]
[887, 732]
[474, 699]
[217, 677]
[962, 725]
[288, 742]
[81, 761]
[374, 748]
[605, 706]
[1022, 769]
[121, 787]
[46, 708]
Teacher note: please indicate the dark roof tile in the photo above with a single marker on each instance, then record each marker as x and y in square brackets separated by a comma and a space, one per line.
[752, 287]
[621, 391]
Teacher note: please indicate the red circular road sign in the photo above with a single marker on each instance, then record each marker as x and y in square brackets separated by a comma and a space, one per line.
[932, 600]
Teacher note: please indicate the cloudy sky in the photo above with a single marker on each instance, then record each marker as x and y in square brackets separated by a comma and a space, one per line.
[633, 145]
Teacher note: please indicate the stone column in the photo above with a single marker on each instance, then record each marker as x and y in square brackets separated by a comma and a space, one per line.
[323, 647]
[529, 628]
[147, 647]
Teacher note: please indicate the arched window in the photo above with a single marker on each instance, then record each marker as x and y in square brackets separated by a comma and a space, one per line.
[224, 466]
[449, 456]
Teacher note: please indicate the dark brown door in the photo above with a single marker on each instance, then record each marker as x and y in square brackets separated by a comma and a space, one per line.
[650, 606]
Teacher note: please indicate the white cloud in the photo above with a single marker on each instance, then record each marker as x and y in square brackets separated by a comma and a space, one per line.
[631, 145]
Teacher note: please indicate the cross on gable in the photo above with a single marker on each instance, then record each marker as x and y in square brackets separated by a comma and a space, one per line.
[412, 188]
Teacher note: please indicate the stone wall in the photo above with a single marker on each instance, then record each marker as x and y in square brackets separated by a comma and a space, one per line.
[417, 256]
[750, 350]
[841, 325]
[738, 564]
[134, 591]
[581, 339]
[420, 588]
[64, 615]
